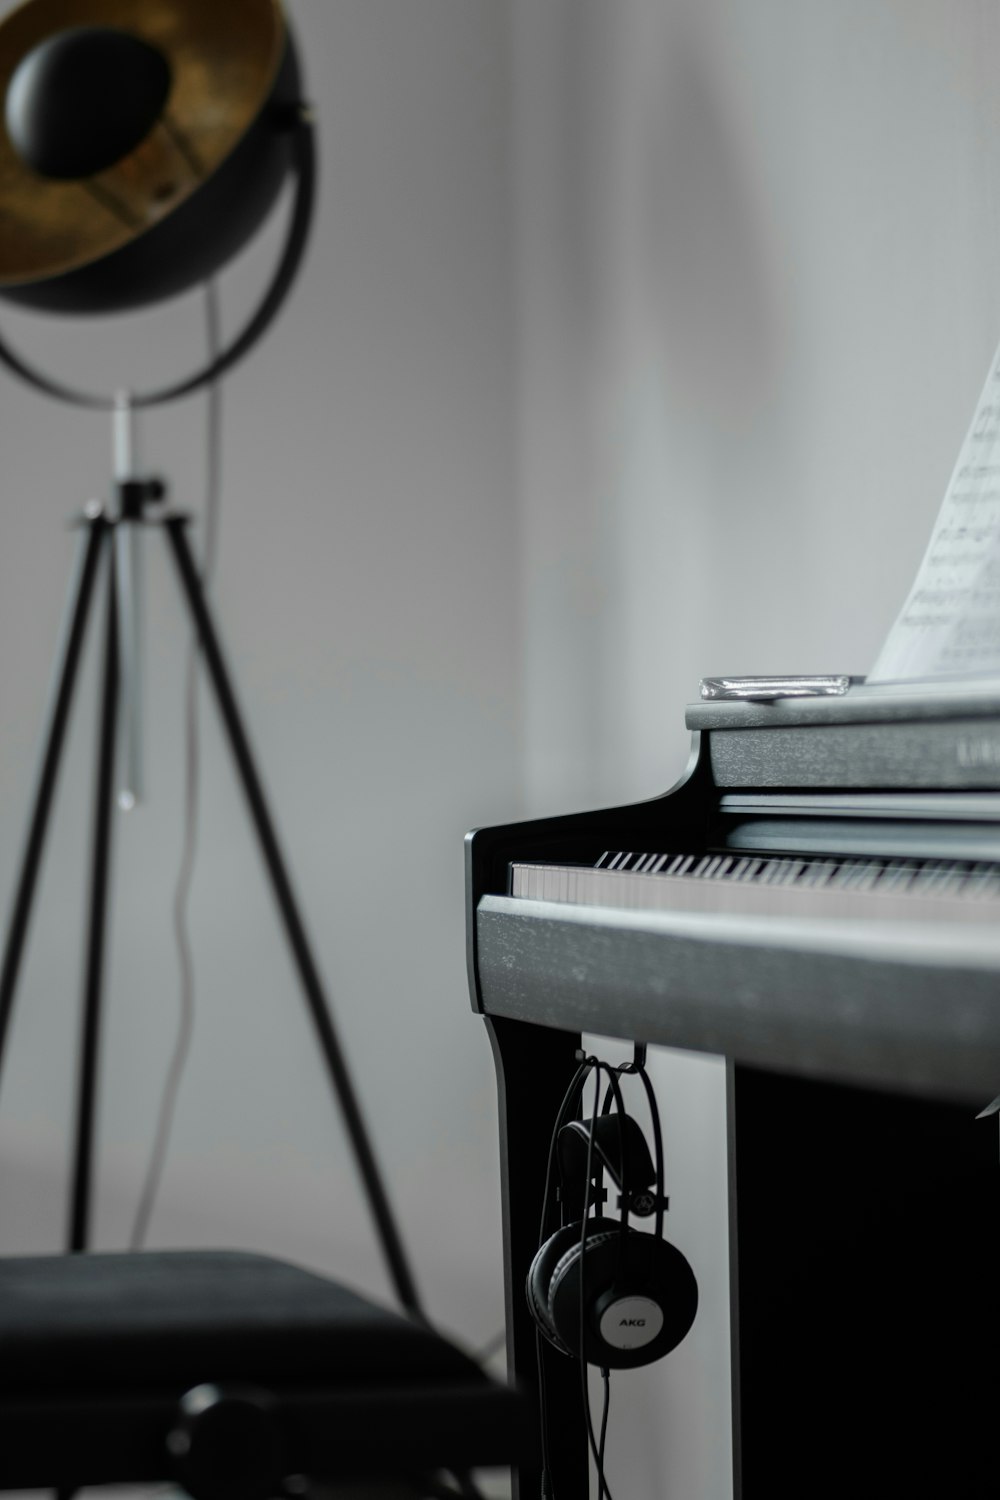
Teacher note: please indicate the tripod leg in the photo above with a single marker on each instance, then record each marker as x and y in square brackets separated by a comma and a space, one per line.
[319, 1010]
[57, 714]
[96, 927]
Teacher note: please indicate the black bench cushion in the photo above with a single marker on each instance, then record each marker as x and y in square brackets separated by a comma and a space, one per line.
[179, 1318]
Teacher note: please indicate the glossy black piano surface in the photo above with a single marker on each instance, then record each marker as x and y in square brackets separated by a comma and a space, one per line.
[815, 901]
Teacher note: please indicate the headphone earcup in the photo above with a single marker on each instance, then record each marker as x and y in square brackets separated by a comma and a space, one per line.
[540, 1271]
[634, 1312]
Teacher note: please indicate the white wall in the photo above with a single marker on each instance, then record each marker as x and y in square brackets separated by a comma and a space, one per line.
[367, 566]
[757, 260]
[710, 286]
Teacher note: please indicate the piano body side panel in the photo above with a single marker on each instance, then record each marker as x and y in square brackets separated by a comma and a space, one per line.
[535, 1066]
[865, 1299]
[735, 1345]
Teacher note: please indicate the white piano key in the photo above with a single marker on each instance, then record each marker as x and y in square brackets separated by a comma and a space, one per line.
[774, 887]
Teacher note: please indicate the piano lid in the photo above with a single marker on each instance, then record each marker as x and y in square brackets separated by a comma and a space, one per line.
[935, 736]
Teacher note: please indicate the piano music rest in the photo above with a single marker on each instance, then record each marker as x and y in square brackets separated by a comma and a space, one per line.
[818, 900]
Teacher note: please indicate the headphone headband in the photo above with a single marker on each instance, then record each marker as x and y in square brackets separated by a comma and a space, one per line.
[614, 1136]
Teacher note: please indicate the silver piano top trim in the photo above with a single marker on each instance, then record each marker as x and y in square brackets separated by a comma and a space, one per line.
[768, 689]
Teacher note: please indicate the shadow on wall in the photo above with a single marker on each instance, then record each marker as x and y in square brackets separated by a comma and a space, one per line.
[702, 250]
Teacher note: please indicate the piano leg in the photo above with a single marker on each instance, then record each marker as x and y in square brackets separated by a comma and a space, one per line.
[535, 1065]
[866, 1296]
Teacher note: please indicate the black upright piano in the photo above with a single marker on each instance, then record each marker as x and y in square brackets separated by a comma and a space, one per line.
[817, 900]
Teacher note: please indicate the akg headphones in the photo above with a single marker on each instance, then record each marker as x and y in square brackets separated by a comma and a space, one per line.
[598, 1289]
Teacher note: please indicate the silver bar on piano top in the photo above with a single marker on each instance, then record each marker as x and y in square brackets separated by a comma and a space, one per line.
[936, 891]
[914, 1007]
[768, 689]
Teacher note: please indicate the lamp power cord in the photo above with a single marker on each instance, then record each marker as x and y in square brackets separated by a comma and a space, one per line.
[185, 874]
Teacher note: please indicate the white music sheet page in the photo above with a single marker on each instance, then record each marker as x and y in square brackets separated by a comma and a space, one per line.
[950, 623]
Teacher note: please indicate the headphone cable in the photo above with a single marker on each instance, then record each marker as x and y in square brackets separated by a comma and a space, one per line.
[606, 1377]
[597, 1449]
[654, 1118]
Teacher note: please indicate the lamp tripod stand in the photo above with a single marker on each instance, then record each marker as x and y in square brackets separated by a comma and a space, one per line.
[96, 555]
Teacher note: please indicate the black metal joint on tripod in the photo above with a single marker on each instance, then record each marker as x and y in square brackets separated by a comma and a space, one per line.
[133, 495]
[288, 117]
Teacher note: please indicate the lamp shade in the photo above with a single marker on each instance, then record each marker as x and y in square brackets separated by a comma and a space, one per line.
[142, 144]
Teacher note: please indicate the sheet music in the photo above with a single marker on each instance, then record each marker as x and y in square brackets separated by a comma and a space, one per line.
[950, 623]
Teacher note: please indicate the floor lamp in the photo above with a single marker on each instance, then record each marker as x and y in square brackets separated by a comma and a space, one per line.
[142, 146]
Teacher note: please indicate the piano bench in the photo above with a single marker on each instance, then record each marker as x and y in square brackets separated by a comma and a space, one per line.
[228, 1372]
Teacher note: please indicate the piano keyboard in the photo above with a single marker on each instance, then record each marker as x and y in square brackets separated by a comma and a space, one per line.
[914, 890]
